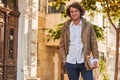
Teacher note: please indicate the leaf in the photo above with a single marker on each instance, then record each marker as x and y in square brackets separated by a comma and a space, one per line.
[99, 33]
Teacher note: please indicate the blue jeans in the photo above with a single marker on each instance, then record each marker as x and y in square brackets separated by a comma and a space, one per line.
[74, 71]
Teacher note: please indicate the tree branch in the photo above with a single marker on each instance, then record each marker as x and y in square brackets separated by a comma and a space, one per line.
[108, 13]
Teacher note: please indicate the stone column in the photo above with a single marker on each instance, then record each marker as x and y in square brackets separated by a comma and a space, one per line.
[27, 40]
[32, 38]
[55, 60]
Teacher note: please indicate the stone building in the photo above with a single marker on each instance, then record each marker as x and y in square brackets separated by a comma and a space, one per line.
[48, 56]
[37, 58]
[27, 40]
[49, 63]
[9, 16]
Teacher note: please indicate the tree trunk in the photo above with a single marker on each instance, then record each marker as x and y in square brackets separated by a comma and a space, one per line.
[117, 54]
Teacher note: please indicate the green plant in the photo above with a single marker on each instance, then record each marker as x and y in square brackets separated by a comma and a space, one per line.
[54, 33]
[102, 70]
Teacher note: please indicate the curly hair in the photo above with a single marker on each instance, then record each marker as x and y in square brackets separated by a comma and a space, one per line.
[77, 6]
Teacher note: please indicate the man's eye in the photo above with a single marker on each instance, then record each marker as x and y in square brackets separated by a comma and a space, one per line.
[76, 11]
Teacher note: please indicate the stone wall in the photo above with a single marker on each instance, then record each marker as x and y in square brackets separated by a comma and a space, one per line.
[46, 54]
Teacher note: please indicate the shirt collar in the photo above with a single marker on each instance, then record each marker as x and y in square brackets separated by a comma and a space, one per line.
[80, 23]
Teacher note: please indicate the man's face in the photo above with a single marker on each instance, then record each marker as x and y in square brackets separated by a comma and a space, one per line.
[74, 13]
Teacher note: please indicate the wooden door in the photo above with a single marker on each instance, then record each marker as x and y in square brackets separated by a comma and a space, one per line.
[2, 16]
[8, 43]
[10, 57]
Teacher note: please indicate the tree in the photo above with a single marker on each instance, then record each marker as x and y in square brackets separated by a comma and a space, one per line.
[110, 9]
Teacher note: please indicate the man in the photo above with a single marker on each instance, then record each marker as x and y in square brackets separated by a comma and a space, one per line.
[78, 45]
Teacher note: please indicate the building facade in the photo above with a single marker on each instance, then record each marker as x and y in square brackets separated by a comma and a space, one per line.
[27, 40]
[9, 16]
[52, 70]
[25, 53]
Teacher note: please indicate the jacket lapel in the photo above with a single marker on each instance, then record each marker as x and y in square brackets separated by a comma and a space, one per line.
[83, 25]
[67, 26]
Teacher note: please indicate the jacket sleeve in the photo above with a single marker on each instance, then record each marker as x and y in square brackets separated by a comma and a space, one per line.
[62, 46]
[93, 43]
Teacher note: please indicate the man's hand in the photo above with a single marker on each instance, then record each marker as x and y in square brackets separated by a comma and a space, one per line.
[95, 64]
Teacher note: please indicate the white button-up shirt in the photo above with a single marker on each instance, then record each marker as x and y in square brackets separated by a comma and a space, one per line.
[75, 54]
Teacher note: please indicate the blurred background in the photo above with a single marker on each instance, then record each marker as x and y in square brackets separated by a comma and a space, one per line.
[30, 31]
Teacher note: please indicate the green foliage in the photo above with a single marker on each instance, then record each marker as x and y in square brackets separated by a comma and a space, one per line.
[102, 70]
[99, 33]
[55, 32]
[91, 6]
[101, 66]
[63, 14]
[113, 8]
[57, 3]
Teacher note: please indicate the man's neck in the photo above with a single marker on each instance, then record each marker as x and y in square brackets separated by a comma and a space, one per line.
[76, 21]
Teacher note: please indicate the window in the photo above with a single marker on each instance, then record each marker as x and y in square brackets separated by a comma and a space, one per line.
[11, 38]
[102, 56]
[11, 4]
[52, 9]
[42, 6]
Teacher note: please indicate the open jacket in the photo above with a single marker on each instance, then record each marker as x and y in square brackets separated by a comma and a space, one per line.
[89, 42]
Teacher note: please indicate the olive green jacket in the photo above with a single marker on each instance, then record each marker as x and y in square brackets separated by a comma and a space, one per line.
[89, 41]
